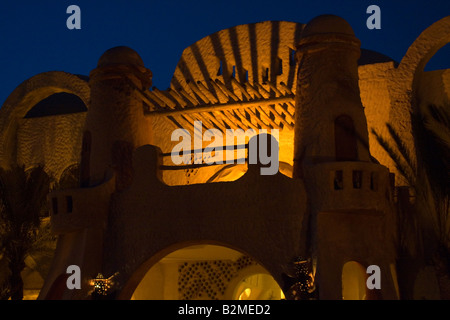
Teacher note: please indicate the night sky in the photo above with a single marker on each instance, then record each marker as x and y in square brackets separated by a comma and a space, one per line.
[34, 37]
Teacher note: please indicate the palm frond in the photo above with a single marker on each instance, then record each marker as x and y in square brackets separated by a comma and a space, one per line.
[437, 121]
[22, 196]
[402, 165]
[438, 113]
[432, 131]
[402, 148]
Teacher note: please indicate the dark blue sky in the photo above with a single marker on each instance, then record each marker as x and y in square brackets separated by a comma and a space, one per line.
[34, 37]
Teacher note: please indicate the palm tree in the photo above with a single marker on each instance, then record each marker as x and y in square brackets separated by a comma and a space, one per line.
[426, 234]
[23, 196]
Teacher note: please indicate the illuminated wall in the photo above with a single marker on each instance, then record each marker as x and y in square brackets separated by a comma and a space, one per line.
[207, 272]
[158, 209]
[236, 47]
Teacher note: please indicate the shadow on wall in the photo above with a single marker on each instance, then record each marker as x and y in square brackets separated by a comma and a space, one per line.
[256, 52]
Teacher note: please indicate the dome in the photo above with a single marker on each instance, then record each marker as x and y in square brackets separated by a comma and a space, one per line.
[327, 24]
[120, 55]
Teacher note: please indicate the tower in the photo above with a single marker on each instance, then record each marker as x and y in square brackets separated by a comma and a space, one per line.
[330, 121]
[115, 126]
[349, 194]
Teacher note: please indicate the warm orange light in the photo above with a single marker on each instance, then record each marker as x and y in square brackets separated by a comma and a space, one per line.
[245, 294]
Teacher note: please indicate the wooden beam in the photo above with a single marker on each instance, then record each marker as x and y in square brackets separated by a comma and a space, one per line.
[198, 92]
[207, 93]
[253, 90]
[279, 117]
[177, 97]
[222, 106]
[267, 118]
[274, 89]
[241, 88]
[228, 92]
[164, 98]
[220, 94]
[285, 87]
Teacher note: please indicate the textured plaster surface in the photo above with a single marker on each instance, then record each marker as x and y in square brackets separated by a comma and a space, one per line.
[160, 216]
[158, 211]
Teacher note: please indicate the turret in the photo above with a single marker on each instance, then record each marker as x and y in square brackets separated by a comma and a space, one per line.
[350, 196]
[115, 126]
[330, 122]
[115, 123]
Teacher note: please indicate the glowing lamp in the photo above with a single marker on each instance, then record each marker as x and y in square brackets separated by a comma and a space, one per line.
[102, 285]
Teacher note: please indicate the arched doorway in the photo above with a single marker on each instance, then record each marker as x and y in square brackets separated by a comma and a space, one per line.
[354, 279]
[254, 283]
[207, 272]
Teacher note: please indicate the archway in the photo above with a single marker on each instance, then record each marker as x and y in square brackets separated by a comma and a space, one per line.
[354, 280]
[254, 283]
[27, 95]
[403, 83]
[207, 272]
[424, 47]
[439, 60]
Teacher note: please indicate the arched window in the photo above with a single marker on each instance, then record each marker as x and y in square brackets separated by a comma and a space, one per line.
[345, 139]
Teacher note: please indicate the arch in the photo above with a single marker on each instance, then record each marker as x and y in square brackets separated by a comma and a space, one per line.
[423, 48]
[243, 286]
[403, 81]
[354, 279]
[439, 60]
[57, 104]
[28, 94]
[416, 58]
[345, 141]
[216, 267]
